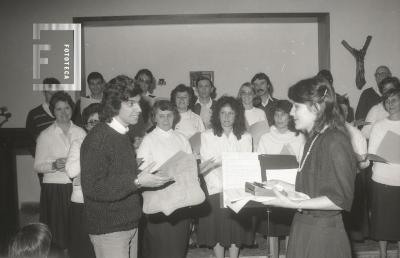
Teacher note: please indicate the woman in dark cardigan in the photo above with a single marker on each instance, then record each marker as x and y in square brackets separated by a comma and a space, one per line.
[326, 173]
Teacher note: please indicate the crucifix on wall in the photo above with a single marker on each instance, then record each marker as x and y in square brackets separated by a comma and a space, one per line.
[359, 55]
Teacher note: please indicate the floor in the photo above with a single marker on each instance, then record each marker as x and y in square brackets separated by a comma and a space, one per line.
[366, 249]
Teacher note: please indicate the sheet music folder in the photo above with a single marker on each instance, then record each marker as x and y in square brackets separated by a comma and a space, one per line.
[279, 161]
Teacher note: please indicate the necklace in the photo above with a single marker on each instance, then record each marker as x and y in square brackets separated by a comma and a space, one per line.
[301, 165]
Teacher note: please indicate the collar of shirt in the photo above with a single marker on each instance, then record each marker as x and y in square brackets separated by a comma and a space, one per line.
[163, 133]
[46, 108]
[59, 130]
[91, 97]
[266, 102]
[117, 126]
[186, 115]
[208, 105]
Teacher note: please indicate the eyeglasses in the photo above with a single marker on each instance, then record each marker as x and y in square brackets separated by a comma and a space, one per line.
[93, 122]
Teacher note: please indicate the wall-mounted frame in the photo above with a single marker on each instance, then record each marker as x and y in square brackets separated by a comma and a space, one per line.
[322, 19]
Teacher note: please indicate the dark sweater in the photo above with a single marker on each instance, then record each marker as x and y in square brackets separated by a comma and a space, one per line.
[368, 99]
[269, 109]
[108, 171]
[36, 121]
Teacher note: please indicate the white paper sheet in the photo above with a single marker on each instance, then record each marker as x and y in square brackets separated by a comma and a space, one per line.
[287, 175]
[237, 169]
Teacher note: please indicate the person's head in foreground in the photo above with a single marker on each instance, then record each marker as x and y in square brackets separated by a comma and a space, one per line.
[31, 241]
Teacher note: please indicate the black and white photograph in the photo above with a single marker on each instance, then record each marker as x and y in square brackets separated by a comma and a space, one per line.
[200, 129]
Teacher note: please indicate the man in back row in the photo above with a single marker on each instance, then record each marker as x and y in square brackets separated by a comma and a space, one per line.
[264, 99]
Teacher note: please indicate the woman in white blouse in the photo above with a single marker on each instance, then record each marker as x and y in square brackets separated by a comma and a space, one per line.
[51, 152]
[166, 236]
[385, 208]
[79, 242]
[379, 112]
[252, 114]
[221, 228]
[190, 123]
[282, 139]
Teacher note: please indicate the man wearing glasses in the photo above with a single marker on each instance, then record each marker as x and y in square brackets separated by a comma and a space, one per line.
[371, 96]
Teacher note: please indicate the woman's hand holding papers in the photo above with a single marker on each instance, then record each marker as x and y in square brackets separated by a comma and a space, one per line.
[149, 178]
[208, 165]
[282, 200]
[280, 185]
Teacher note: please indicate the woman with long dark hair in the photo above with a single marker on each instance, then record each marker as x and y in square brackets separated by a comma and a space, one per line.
[326, 173]
[221, 228]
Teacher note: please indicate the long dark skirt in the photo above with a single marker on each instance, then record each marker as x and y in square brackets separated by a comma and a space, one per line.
[223, 226]
[54, 204]
[167, 236]
[385, 212]
[80, 245]
[318, 237]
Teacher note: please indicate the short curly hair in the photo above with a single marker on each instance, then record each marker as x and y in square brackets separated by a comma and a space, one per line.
[89, 111]
[239, 125]
[183, 88]
[117, 90]
[164, 105]
[60, 96]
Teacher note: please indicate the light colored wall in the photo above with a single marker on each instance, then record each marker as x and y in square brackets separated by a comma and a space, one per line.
[235, 52]
[352, 20]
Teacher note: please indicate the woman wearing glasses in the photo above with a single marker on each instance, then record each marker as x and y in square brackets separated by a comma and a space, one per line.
[79, 242]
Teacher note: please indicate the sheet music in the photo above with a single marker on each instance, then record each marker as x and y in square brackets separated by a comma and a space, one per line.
[195, 142]
[389, 149]
[237, 168]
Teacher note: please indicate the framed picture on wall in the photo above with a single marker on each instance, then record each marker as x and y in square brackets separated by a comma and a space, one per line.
[194, 75]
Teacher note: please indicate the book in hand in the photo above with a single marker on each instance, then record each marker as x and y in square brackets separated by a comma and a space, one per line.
[259, 189]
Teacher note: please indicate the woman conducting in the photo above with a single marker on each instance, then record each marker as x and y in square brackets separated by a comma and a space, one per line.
[326, 173]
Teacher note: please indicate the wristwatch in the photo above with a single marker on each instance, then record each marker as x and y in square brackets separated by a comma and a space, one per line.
[137, 183]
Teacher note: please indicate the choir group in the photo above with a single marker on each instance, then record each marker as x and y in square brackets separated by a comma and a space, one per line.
[95, 157]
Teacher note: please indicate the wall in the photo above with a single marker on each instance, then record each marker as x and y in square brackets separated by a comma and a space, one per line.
[235, 52]
[351, 20]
